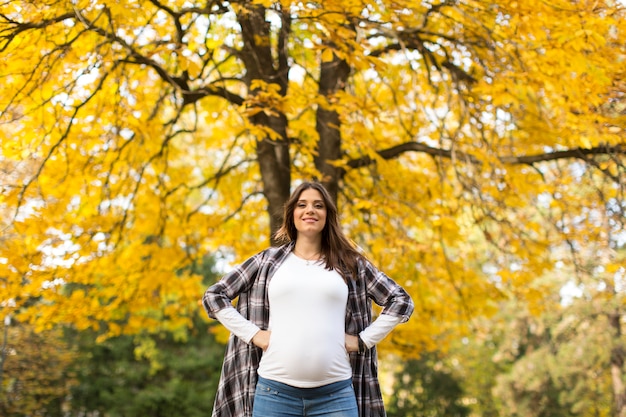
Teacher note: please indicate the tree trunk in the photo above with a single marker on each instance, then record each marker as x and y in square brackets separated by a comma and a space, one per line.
[274, 163]
[272, 154]
[617, 366]
[333, 77]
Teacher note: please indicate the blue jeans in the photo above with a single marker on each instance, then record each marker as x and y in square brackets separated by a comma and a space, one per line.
[275, 399]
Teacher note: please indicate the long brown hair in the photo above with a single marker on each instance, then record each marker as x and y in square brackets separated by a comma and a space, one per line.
[338, 252]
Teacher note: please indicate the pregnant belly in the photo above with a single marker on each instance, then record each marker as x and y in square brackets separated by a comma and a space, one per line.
[304, 360]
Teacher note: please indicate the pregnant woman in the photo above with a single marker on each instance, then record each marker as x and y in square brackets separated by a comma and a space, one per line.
[302, 337]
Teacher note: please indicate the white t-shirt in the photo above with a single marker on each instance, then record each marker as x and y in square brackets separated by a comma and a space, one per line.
[307, 324]
[307, 321]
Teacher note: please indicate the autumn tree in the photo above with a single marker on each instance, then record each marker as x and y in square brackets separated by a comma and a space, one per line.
[563, 359]
[559, 363]
[140, 135]
[35, 376]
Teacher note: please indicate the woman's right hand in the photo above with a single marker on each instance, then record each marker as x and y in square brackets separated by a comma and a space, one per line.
[262, 339]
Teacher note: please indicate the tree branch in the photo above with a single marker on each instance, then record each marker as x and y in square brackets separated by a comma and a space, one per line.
[396, 151]
[575, 153]
[180, 83]
[579, 153]
[11, 28]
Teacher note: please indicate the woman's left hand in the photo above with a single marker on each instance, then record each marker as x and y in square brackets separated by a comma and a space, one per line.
[352, 343]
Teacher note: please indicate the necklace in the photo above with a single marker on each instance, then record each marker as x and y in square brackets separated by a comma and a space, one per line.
[308, 260]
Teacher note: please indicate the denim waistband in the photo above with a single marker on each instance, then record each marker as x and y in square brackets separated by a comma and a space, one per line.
[306, 392]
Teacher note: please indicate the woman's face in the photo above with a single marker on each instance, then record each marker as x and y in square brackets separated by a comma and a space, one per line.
[309, 215]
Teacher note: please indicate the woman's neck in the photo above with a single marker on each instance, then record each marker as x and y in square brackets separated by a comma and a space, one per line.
[308, 248]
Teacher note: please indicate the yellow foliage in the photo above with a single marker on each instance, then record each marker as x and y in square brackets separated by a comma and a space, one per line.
[129, 149]
[327, 55]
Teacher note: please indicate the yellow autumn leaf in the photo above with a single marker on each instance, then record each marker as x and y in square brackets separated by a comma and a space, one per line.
[328, 55]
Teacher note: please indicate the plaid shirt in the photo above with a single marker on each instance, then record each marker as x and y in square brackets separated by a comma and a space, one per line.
[250, 281]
